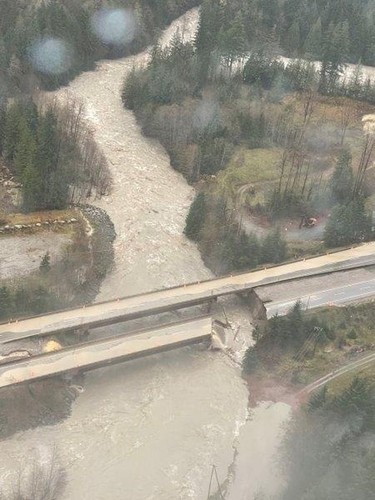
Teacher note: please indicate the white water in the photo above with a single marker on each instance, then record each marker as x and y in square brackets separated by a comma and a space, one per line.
[149, 201]
[151, 429]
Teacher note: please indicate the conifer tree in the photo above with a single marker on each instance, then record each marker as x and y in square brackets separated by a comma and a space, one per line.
[54, 180]
[48, 144]
[349, 223]
[196, 217]
[293, 39]
[5, 302]
[21, 300]
[313, 44]
[274, 248]
[26, 149]
[342, 180]
[334, 55]
[206, 40]
[3, 117]
[233, 42]
[45, 263]
[14, 117]
[32, 187]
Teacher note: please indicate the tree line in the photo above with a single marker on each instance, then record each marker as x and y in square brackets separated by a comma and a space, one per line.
[349, 221]
[209, 224]
[326, 30]
[270, 73]
[23, 23]
[296, 334]
[51, 152]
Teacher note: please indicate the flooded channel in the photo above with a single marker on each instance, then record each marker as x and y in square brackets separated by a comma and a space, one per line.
[152, 428]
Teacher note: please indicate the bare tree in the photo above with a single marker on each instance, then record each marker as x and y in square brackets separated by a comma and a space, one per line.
[42, 478]
[347, 116]
[80, 159]
[364, 163]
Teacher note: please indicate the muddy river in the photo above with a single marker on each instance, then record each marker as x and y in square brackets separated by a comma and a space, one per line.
[152, 428]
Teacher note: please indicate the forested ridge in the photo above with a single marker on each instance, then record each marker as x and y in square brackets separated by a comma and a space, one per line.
[24, 23]
[321, 30]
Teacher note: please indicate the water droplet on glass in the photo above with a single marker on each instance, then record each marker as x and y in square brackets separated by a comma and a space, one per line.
[114, 26]
[51, 56]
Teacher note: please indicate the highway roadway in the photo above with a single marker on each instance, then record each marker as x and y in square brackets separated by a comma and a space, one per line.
[337, 296]
[187, 295]
[99, 353]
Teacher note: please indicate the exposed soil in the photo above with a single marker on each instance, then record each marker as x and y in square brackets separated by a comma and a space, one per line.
[270, 389]
[289, 227]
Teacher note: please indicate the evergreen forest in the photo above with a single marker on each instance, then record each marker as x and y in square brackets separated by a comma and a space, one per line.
[25, 24]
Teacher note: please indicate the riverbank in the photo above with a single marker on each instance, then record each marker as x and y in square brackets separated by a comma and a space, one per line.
[78, 246]
[88, 259]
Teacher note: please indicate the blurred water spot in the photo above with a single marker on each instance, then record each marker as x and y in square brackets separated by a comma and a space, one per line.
[206, 114]
[114, 26]
[51, 56]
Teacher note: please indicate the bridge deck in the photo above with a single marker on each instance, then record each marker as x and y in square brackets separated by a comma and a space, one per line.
[168, 299]
[99, 353]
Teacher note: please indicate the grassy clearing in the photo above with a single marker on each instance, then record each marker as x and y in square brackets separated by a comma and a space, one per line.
[258, 167]
[251, 165]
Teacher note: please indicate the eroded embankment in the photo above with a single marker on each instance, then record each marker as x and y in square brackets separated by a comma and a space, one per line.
[88, 253]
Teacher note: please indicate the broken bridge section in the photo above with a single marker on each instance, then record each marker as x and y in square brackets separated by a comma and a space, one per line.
[170, 299]
[96, 354]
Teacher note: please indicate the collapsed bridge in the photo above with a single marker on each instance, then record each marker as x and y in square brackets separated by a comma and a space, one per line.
[100, 352]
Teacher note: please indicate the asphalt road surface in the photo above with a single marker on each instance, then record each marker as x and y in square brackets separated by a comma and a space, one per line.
[337, 296]
[155, 302]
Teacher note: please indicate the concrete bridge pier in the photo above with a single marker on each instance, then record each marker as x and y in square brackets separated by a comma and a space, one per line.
[82, 333]
[209, 304]
[257, 308]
